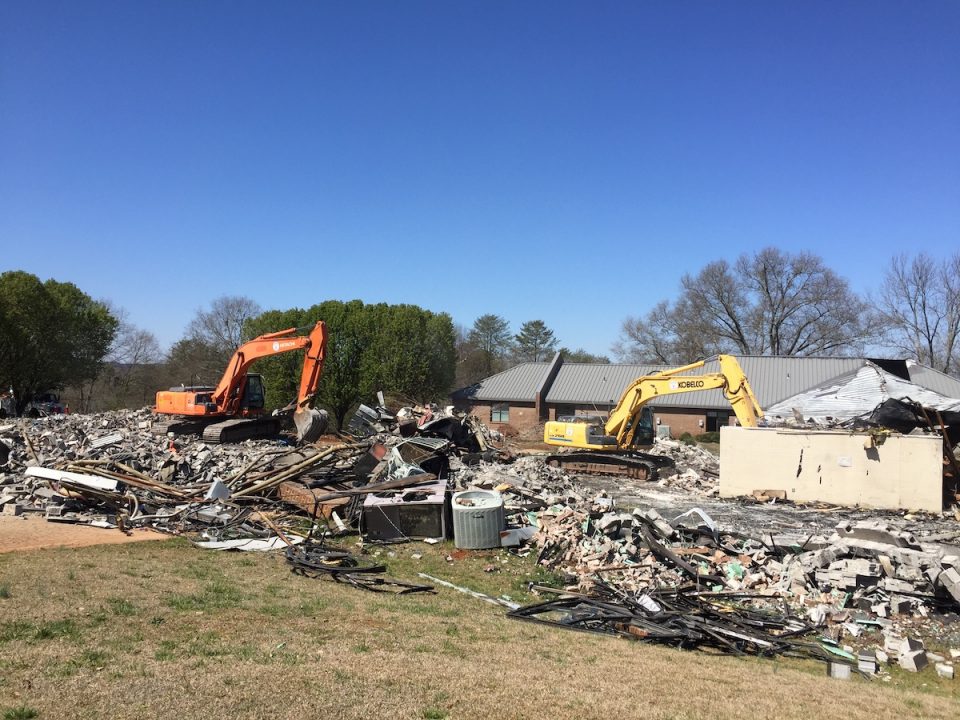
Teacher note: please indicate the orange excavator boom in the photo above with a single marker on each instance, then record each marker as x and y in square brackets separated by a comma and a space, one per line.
[232, 402]
[227, 393]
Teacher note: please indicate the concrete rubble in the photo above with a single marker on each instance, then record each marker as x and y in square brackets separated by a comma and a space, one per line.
[862, 594]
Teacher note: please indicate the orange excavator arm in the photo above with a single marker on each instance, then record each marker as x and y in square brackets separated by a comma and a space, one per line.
[228, 392]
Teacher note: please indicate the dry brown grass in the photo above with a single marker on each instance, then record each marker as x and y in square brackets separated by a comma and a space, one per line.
[163, 630]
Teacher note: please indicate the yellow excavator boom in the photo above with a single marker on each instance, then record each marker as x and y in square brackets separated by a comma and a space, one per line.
[620, 430]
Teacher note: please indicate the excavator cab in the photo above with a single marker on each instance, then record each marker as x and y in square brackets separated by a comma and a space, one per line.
[253, 393]
[640, 428]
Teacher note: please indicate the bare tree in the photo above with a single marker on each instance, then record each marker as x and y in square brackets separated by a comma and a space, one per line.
[130, 372]
[768, 303]
[920, 302]
[221, 327]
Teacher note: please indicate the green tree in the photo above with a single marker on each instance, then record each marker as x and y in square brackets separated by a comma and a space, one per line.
[490, 341]
[582, 356]
[534, 342]
[51, 335]
[401, 349]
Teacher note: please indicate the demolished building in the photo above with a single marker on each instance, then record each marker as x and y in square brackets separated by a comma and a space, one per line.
[867, 438]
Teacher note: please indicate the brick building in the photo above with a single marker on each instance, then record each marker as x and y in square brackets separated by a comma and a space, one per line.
[527, 395]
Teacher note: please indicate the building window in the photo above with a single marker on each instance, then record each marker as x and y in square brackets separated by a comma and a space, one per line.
[716, 420]
[500, 413]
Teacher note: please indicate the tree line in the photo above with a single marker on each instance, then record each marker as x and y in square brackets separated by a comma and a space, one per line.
[53, 336]
[772, 302]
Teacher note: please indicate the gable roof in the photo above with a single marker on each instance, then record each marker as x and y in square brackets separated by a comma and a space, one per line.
[518, 384]
[772, 379]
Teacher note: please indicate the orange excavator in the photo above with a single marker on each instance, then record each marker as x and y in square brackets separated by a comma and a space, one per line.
[234, 410]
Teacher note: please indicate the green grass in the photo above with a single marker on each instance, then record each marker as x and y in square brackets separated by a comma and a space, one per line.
[218, 594]
[20, 713]
[122, 607]
[124, 649]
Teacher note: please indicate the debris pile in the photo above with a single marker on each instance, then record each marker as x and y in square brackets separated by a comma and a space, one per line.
[635, 572]
[695, 469]
[110, 470]
[684, 581]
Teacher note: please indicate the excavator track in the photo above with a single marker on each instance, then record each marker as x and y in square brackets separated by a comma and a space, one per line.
[180, 426]
[635, 465]
[240, 429]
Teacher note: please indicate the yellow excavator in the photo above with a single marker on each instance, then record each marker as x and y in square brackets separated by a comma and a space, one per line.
[613, 448]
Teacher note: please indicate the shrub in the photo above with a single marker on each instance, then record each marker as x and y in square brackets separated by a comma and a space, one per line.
[686, 438]
[710, 437]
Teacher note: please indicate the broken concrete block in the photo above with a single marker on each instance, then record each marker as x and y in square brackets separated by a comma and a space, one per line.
[877, 532]
[867, 663]
[944, 670]
[911, 645]
[656, 521]
[914, 661]
[881, 656]
[900, 605]
[949, 580]
[892, 585]
[838, 670]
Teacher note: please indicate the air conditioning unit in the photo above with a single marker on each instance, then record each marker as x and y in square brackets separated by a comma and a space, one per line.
[416, 512]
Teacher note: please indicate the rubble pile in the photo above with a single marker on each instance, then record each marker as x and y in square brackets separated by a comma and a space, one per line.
[111, 470]
[866, 583]
[868, 589]
[694, 469]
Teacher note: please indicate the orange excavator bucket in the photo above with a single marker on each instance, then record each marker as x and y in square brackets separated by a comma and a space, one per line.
[310, 422]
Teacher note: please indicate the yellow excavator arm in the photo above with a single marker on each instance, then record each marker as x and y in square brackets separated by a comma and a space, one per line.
[620, 430]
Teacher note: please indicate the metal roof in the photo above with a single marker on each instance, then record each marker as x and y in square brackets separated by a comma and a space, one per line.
[772, 380]
[518, 384]
[595, 383]
[933, 380]
[857, 394]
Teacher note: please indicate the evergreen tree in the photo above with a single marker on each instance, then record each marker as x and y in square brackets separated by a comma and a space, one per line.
[535, 342]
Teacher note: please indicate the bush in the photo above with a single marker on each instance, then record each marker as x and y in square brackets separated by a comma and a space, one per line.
[710, 437]
[686, 438]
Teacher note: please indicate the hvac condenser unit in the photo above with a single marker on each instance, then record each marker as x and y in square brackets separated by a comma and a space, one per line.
[478, 518]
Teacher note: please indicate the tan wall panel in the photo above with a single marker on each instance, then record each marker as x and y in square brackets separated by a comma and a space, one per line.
[905, 473]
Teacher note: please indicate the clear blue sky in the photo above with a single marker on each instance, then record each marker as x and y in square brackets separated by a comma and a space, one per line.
[561, 161]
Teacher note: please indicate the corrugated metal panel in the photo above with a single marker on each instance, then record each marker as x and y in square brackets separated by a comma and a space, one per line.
[934, 380]
[595, 383]
[857, 394]
[772, 380]
[518, 384]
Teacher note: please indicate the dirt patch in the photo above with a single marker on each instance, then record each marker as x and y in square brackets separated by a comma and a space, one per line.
[33, 533]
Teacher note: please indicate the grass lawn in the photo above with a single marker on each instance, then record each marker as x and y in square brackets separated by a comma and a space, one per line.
[163, 630]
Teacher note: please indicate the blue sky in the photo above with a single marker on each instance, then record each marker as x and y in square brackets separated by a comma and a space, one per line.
[561, 161]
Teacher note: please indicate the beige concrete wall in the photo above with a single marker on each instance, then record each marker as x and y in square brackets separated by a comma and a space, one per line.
[833, 466]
